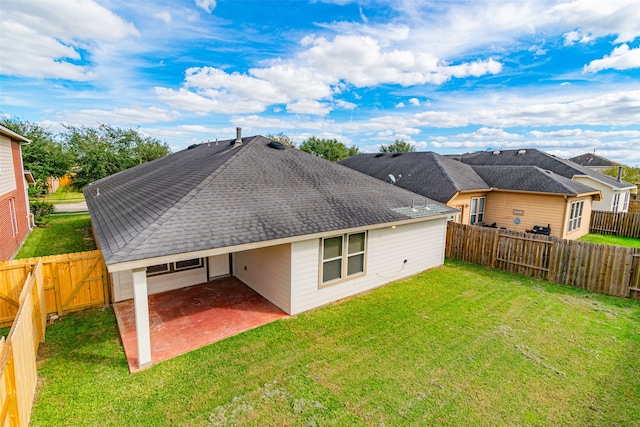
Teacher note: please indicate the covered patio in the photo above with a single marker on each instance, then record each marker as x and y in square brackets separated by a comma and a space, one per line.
[185, 319]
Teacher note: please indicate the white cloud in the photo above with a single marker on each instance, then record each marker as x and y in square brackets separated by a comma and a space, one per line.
[592, 18]
[573, 37]
[209, 101]
[622, 58]
[43, 39]
[346, 105]
[489, 134]
[119, 116]
[255, 121]
[163, 16]
[308, 106]
[400, 105]
[206, 5]
[414, 101]
[362, 16]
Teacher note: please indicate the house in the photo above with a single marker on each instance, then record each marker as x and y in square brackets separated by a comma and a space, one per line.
[615, 192]
[514, 197]
[594, 162]
[299, 230]
[15, 219]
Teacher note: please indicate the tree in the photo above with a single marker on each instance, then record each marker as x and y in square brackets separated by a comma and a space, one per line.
[398, 146]
[282, 138]
[629, 174]
[105, 150]
[330, 149]
[44, 156]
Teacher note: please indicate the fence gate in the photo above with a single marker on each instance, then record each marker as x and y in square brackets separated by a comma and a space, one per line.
[523, 254]
[72, 282]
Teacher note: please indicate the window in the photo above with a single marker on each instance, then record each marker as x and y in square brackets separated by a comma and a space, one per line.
[625, 204]
[13, 216]
[616, 202]
[342, 254]
[477, 210]
[575, 217]
[172, 267]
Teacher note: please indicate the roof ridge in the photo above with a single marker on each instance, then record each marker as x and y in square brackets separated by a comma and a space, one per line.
[176, 207]
[445, 173]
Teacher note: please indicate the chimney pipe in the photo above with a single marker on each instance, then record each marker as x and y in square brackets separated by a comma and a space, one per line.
[619, 173]
[238, 136]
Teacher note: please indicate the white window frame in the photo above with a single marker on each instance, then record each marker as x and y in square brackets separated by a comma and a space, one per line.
[171, 267]
[13, 215]
[344, 258]
[625, 203]
[476, 215]
[575, 215]
[616, 202]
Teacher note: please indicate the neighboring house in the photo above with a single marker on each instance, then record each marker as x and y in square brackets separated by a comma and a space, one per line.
[615, 193]
[525, 196]
[516, 198]
[299, 230]
[594, 162]
[15, 220]
[431, 175]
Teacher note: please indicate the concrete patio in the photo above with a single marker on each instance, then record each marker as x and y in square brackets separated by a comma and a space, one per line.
[189, 318]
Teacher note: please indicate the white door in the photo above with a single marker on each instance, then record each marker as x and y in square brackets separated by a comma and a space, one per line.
[218, 266]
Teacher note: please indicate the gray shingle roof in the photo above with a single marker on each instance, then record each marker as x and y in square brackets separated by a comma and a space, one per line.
[530, 178]
[430, 174]
[592, 160]
[533, 157]
[217, 195]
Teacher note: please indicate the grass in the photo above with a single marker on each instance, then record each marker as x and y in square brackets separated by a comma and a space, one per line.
[457, 345]
[62, 234]
[64, 195]
[611, 240]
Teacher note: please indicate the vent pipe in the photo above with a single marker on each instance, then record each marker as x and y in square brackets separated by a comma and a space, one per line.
[238, 136]
[619, 173]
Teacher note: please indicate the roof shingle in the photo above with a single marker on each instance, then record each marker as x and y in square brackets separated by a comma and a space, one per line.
[219, 195]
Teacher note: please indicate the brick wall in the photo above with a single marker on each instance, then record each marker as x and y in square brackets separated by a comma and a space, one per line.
[9, 244]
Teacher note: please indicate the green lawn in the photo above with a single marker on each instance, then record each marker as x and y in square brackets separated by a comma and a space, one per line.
[64, 195]
[611, 240]
[457, 345]
[62, 234]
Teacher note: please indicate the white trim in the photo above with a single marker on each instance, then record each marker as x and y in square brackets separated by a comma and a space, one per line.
[141, 304]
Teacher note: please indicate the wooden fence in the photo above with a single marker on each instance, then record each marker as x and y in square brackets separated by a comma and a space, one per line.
[18, 370]
[634, 206]
[72, 282]
[605, 269]
[620, 224]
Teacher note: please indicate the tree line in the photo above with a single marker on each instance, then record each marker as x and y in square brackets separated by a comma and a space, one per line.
[92, 153]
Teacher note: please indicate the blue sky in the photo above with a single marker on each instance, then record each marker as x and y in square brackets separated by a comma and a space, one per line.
[447, 76]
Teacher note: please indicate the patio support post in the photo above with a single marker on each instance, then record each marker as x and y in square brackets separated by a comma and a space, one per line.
[141, 303]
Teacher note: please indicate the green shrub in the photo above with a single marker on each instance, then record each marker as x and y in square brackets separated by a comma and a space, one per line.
[41, 210]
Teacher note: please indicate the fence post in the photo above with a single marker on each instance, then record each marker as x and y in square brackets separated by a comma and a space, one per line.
[56, 286]
[105, 281]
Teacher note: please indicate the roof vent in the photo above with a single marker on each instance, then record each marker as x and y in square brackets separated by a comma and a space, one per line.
[521, 152]
[276, 145]
[192, 146]
[379, 154]
[548, 171]
[397, 154]
[495, 153]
